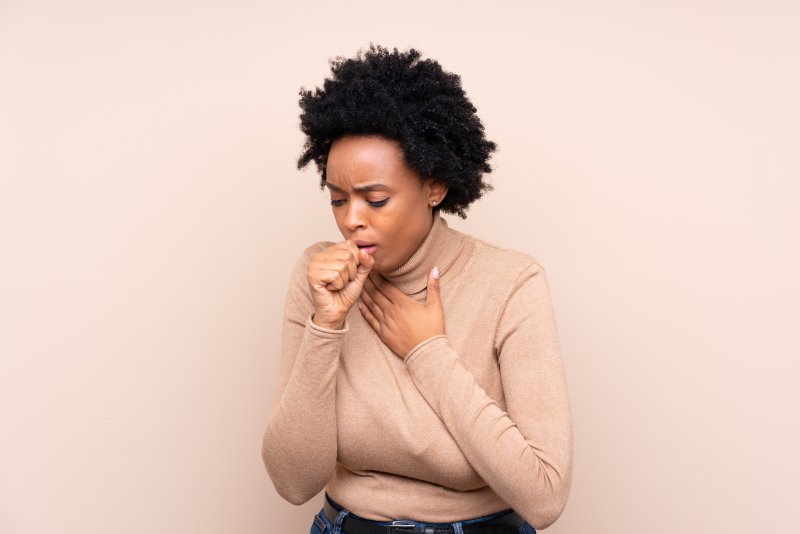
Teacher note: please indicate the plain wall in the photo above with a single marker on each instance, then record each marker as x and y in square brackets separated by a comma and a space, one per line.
[151, 210]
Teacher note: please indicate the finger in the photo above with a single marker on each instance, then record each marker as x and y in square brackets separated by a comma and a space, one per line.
[334, 279]
[351, 246]
[346, 268]
[371, 306]
[369, 317]
[321, 276]
[387, 289]
[353, 249]
[352, 268]
[434, 288]
[379, 298]
[364, 268]
[366, 262]
[342, 256]
[338, 260]
[353, 259]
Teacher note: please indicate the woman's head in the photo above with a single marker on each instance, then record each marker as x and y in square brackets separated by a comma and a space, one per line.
[378, 201]
[413, 101]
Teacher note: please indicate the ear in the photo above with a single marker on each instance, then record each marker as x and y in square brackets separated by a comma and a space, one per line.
[436, 191]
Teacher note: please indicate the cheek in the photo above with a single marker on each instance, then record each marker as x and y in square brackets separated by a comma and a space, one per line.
[398, 242]
[337, 216]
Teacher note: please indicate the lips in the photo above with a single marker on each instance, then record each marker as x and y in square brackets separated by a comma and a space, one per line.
[366, 245]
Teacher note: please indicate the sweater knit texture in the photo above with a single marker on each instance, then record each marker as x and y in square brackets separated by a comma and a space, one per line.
[470, 423]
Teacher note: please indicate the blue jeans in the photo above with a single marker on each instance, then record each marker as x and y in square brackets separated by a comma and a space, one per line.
[322, 525]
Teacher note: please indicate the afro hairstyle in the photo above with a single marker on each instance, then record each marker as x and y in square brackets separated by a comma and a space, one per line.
[401, 97]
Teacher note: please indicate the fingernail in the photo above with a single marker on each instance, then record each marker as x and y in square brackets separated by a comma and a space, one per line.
[436, 272]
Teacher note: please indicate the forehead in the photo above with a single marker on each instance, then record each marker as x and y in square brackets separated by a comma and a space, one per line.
[356, 162]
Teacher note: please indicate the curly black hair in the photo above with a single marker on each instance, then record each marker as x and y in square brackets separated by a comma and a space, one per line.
[414, 101]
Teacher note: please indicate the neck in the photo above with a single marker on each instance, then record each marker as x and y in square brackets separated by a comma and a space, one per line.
[440, 248]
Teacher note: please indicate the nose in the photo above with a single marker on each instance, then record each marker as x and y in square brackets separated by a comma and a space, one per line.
[355, 218]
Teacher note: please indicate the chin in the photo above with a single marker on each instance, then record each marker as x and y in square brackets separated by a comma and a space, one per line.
[379, 267]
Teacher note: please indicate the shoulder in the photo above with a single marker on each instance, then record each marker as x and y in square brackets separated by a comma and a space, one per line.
[504, 263]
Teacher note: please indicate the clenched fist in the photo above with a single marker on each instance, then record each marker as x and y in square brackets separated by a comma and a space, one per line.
[336, 276]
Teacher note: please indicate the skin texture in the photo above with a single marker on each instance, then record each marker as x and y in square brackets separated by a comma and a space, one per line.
[396, 216]
[401, 322]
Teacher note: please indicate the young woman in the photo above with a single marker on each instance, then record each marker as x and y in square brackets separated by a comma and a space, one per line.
[421, 382]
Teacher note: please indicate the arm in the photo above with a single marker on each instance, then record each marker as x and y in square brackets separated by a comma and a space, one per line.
[524, 454]
[299, 445]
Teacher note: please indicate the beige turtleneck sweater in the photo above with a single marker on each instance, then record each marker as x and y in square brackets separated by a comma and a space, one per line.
[472, 422]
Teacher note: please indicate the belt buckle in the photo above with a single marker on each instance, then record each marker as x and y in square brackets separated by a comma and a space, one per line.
[401, 526]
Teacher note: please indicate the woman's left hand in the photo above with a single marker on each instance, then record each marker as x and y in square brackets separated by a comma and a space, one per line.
[401, 322]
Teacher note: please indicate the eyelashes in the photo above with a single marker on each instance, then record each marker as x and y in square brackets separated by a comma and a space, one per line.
[374, 204]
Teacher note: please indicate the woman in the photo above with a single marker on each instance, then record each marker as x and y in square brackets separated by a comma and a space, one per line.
[420, 383]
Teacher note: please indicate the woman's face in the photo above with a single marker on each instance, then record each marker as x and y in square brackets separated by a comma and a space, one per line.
[378, 200]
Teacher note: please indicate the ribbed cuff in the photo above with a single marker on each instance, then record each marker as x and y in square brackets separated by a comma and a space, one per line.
[326, 332]
[418, 348]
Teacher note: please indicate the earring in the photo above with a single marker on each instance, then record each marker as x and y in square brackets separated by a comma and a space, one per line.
[433, 203]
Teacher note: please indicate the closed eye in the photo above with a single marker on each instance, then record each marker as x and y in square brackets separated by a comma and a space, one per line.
[374, 204]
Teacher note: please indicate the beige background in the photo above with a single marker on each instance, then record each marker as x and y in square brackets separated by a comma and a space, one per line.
[150, 212]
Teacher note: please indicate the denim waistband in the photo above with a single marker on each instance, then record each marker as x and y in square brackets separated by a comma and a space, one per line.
[502, 519]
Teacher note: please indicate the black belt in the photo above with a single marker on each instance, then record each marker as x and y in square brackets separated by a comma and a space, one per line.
[505, 524]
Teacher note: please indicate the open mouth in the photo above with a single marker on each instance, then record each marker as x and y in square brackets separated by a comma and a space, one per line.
[367, 246]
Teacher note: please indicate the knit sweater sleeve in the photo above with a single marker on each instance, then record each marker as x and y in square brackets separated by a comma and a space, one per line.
[299, 443]
[523, 453]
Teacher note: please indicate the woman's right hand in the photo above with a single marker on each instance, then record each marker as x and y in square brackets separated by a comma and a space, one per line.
[336, 276]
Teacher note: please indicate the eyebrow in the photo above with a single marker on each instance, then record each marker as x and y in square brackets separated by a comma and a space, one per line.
[361, 188]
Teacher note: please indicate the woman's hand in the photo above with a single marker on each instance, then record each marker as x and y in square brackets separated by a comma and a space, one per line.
[401, 322]
[336, 277]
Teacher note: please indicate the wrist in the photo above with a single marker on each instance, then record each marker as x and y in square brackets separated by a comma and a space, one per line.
[330, 325]
[419, 347]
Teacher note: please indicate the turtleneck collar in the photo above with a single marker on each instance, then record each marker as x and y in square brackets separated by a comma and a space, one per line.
[442, 247]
